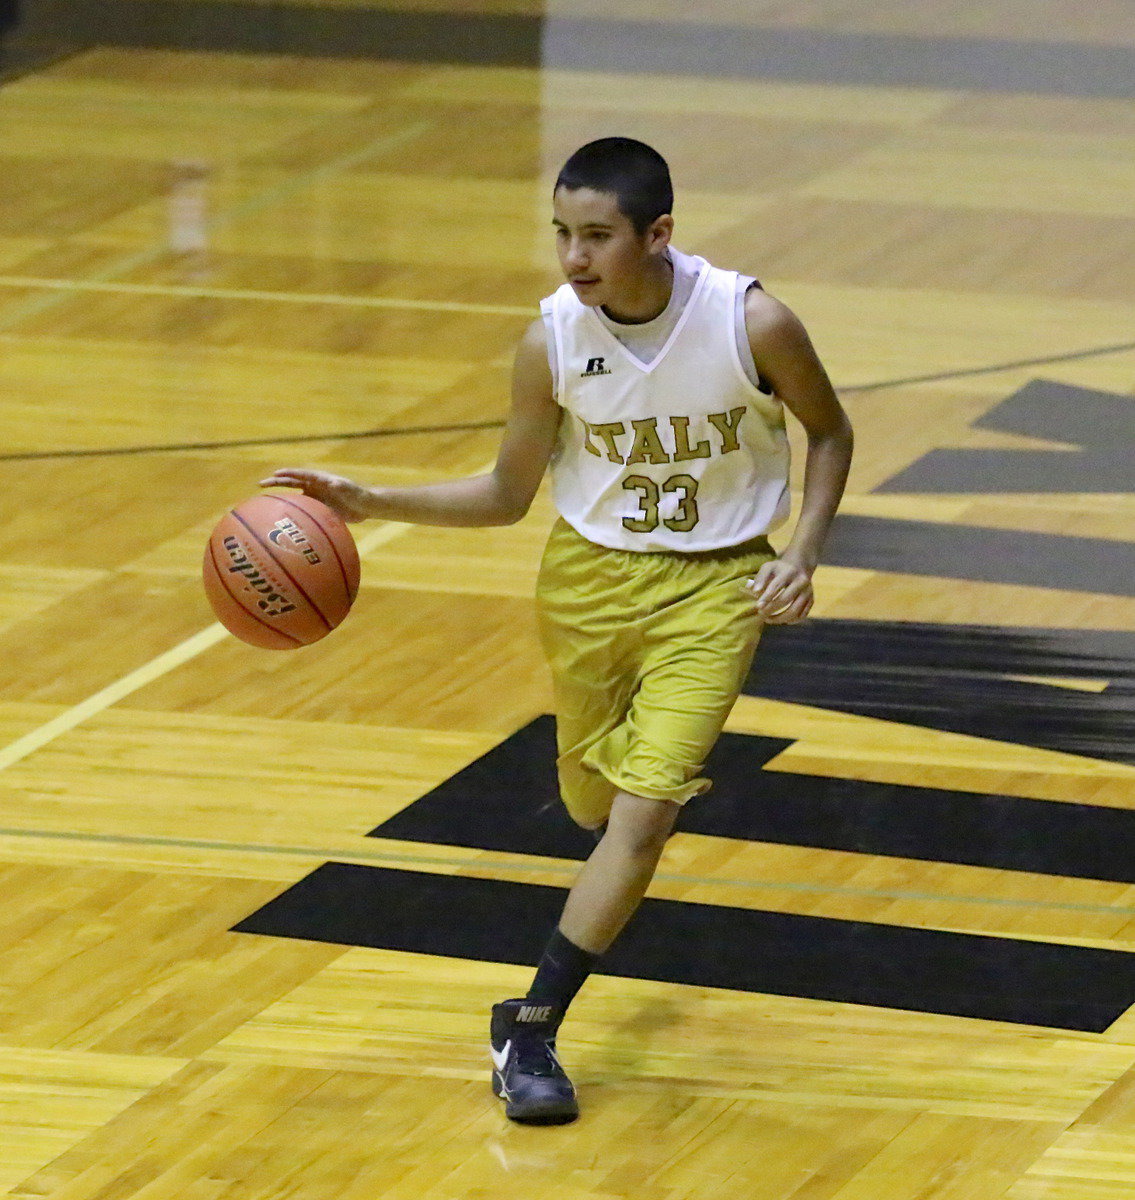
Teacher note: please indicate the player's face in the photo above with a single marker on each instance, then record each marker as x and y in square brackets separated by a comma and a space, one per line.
[602, 256]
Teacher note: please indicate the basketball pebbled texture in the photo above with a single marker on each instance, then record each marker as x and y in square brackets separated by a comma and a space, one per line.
[281, 571]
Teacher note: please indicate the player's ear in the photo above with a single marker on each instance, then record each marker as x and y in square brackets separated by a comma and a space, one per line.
[659, 232]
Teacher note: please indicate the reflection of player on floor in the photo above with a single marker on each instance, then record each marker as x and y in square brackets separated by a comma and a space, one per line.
[654, 385]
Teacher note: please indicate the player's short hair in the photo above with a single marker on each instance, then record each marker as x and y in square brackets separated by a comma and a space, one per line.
[633, 172]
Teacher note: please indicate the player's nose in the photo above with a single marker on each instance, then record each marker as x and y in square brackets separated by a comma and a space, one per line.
[575, 259]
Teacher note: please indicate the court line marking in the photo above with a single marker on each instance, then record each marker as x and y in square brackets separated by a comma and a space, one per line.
[34, 305]
[97, 283]
[201, 641]
[210, 636]
[237, 443]
[992, 369]
[163, 664]
[557, 867]
[103, 281]
[211, 293]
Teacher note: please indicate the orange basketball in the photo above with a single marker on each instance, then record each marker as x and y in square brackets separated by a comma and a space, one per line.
[281, 571]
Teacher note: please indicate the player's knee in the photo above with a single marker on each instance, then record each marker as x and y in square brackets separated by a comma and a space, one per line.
[640, 826]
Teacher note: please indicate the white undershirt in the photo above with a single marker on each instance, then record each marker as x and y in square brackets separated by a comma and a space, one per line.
[645, 339]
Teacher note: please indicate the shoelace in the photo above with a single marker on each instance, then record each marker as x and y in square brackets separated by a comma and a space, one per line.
[536, 1056]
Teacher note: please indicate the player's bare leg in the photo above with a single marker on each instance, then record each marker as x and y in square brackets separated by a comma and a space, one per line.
[608, 889]
[614, 879]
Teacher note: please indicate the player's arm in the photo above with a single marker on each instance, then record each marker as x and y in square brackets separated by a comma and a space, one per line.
[500, 497]
[786, 358]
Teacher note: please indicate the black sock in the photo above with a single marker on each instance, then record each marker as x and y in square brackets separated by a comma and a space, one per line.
[561, 973]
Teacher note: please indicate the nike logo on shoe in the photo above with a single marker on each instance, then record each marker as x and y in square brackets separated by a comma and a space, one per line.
[500, 1057]
[533, 1012]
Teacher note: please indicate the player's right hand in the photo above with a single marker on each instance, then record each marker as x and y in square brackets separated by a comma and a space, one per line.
[349, 499]
[782, 590]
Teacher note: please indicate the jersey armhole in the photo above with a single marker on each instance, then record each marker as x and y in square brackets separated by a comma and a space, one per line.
[744, 350]
[555, 350]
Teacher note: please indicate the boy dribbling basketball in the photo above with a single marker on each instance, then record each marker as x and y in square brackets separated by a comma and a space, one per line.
[654, 385]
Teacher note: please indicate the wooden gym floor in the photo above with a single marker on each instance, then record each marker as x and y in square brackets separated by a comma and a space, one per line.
[891, 956]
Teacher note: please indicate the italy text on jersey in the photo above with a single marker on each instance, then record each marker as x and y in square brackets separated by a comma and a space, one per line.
[651, 443]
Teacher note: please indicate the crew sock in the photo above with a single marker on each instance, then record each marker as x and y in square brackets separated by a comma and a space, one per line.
[562, 970]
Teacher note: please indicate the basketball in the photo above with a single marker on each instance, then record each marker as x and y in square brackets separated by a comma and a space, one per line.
[281, 571]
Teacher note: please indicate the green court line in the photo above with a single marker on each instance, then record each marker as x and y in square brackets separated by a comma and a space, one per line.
[391, 856]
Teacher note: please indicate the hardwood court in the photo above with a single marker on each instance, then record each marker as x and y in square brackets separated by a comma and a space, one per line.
[366, 245]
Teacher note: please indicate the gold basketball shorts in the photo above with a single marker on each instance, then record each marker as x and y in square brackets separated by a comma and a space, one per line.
[648, 652]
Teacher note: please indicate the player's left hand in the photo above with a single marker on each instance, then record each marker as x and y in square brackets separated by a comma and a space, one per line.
[782, 590]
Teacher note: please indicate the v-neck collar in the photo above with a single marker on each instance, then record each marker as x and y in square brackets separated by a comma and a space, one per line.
[647, 367]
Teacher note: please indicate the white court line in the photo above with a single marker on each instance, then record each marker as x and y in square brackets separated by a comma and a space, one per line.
[18, 750]
[34, 305]
[175, 289]
[57, 291]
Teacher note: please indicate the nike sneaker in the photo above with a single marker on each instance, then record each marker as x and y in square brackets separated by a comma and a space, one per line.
[526, 1072]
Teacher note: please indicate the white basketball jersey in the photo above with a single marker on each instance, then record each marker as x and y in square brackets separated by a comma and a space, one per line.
[679, 453]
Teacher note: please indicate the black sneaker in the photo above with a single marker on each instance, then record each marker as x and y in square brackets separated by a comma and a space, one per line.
[526, 1072]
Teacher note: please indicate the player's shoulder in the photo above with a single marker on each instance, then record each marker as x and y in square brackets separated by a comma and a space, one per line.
[535, 333]
[764, 311]
[769, 321]
[530, 364]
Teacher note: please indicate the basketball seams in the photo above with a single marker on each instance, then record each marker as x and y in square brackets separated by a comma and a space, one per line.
[351, 593]
[283, 569]
[240, 605]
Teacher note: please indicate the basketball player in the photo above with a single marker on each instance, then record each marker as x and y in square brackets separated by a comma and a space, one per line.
[655, 386]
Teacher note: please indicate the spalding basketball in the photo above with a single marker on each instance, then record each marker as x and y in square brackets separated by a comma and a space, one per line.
[281, 571]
